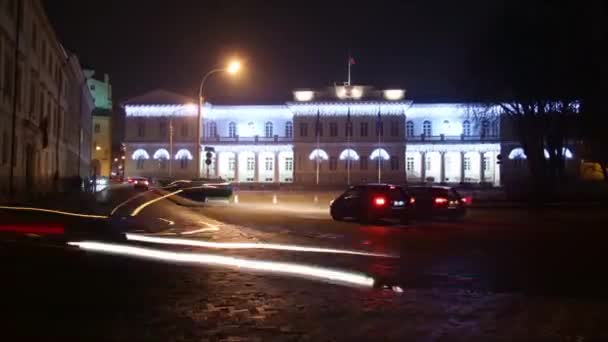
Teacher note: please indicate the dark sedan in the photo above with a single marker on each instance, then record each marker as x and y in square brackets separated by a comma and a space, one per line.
[371, 202]
[437, 201]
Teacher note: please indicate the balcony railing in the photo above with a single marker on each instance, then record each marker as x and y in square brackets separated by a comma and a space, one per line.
[443, 137]
[248, 140]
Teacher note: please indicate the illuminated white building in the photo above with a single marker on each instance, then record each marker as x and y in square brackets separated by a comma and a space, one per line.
[345, 135]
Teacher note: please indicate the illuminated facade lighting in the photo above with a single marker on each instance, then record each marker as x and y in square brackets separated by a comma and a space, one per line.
[303, 95]
[318, 154]
[183, 154]
[162, 153]
[394, 94]
[161, 110]
[379, 153]
[349, 154]
[140, 154]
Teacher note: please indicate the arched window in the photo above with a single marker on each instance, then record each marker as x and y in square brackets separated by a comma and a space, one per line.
[427, 129]
[318, 154]
[288, 129]
[485, 128]
[140, 154]
[466, 128]
[162, 156]
[212, 130]
[183, 156]
[379, 153]
[232, 129]
[409, 129]
[349, 154]
[268, 129]
[517, 153]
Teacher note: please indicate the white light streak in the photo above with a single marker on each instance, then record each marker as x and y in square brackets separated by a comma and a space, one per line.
[481, 147]
[356, 108]
[248, 245]
[255, 113]
[141, 207]
[167, 221]
[127, 201]
[54, 212]
[202, 230]
[219, 260]
[140, 153]
[253, 148]
[161, 110]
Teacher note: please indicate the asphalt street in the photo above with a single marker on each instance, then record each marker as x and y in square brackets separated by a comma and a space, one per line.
[500, 274]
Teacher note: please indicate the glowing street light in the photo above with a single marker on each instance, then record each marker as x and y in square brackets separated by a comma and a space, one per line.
[232, 68]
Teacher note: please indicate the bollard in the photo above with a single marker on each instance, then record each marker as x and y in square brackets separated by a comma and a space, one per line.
[236, 199]
[274, 199]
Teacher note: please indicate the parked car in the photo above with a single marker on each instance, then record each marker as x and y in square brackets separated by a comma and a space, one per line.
[371, 202]
[139, 182]
[202, 190]
[437, 201]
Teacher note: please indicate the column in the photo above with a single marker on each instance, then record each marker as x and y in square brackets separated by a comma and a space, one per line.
[256, 169]
[442, 169]
[236, 167]
[461, 167]
[217, 165]
[423, 166]
[481, 170]
[276, 168]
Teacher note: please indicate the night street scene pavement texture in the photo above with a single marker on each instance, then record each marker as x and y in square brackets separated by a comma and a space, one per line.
[303, 171]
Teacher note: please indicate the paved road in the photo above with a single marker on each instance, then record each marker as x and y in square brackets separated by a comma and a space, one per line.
[498, 275]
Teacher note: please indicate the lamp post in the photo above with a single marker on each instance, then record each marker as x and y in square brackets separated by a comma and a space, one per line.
[232, 68]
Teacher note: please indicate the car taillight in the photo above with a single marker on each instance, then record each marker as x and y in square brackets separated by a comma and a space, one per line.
[441, 200]
[464, 200]
[146, 182]
[412, 200]
[379, 201]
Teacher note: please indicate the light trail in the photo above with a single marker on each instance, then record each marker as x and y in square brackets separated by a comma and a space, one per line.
[54, 212]
[141, 207]
[202, 230]
[307, 271]
[167, 221]
[247, 245]
[127, 201]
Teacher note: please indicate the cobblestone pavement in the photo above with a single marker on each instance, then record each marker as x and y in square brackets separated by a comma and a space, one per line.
[59, 294]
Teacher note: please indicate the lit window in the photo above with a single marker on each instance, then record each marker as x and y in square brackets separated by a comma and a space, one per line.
[231, 164]
[410, 129]
[212, 129]
[409, 164]
[250, 163]
[427, 129]
[428, 163]
[268, 130]
[289, 164]
[232, 130]
[466, 128]
[268, 163]
[486, 163]
[467, 163]
[288, 129]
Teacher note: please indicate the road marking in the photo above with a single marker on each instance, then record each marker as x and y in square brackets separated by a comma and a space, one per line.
[248, 245]
[308, 271]
[54, 212]
[141, 207]
[127, 201]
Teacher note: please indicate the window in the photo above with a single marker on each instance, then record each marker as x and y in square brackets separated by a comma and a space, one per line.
[184, 130]
[250, 163]
[467, 163]
[231, 163]
[427, 129]
[319, 129]
[289, 164]
[428, 164]
[394, 128]
[364, 129]
[409, 129]
[232, 130]
[363, 163]
[268, 129]
[466, 128]
[333, 129]
[212, 130]
[288, 129]
[409, 164]
[183, 163]
[485, 128]
[97, 128]
[333, 163]
[162, 128]
[348, 129]
[162, 163]
[140, 163]
[379, 128]
[268, 163]
[486, 163]
[394, 163]
[303, 129]
[141, 129]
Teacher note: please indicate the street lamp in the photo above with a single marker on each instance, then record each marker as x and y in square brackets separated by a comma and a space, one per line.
[232, 68]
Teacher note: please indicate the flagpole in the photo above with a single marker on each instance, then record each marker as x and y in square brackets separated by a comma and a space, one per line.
[317, 157]
[348, 133]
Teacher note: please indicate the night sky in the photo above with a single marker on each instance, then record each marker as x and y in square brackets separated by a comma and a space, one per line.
[422, 45]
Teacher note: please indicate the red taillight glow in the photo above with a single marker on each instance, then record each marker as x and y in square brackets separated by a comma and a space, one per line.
[464, 200]
[49, 229]
[146, 182]
[441, 200]
[412, 200]
[379, 201]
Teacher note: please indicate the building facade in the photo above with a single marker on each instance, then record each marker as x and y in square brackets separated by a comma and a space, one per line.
[45, 107]
[101, 144]
[343, 135]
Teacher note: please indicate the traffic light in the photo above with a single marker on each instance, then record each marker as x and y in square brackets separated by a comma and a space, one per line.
[208, 157]
[499, 159]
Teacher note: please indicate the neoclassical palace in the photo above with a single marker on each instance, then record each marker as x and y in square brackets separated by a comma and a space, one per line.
[339, 136]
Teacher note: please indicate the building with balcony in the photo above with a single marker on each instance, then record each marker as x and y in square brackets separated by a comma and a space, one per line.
[338, 136]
